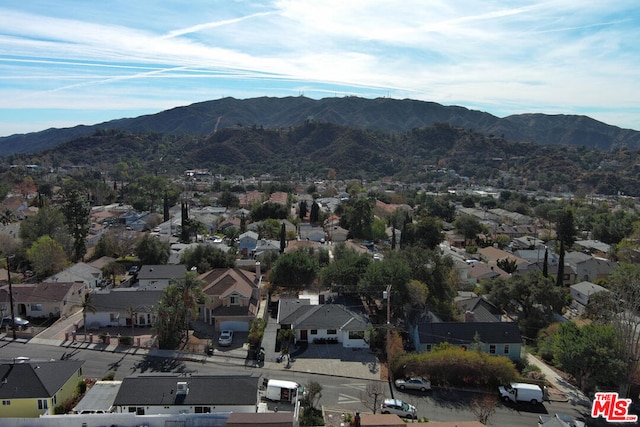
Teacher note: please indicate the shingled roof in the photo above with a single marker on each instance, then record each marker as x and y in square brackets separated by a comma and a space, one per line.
[35, 379]
[458, 333]
[154, 390]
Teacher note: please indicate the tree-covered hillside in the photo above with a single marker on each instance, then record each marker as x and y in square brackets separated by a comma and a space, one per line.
[438, 153]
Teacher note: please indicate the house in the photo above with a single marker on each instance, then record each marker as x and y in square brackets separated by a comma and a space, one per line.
[338, 234]
[114, 307]
[44, 299]
[589, 268]
[581, 293]
[79, 272]
[312, 233]
[160, 276]
[195, 394]
[478, 309]
[232, 298]
[328, 322]
[31, 389]
[247, 242]
[497, 338]
[481, 271]
[263, 246]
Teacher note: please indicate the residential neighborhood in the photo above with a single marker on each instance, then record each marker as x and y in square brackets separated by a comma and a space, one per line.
[304, 283]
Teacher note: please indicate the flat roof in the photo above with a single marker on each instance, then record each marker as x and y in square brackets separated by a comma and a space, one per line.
[99, 398]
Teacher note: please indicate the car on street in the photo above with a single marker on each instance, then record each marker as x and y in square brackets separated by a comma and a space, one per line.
[398, 407]
[413, 383]
[17, 322]
[226, 338]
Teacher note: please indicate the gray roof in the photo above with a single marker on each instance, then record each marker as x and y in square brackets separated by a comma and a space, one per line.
[170, 271]
[154, 390]
[119, 300]
[465, 332]
[99, 397]
[35, 379]
[287, 306]
[326, 316]
[588, 288]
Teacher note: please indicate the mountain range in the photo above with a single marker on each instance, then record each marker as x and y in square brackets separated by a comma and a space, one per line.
[380, 114]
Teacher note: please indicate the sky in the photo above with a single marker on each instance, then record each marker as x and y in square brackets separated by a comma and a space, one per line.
[64, 62]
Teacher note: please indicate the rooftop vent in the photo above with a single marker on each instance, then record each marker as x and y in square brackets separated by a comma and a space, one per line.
[182, 388]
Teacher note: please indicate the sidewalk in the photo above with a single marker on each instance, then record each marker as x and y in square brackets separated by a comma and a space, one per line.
[560, 390]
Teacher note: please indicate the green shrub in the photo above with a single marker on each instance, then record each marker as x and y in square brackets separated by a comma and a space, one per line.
[125, 340]
[109, 376]
[453, 366]
[256, 332]
[311, 417]
[81, 387]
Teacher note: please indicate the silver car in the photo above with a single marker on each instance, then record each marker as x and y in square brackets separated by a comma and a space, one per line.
[225, 339]
[398, 407]
[413, 384]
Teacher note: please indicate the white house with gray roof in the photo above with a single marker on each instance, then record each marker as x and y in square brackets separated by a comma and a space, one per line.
[160, 276]
[114, 307]
[582, 292]
[79, 272]
[328, 323]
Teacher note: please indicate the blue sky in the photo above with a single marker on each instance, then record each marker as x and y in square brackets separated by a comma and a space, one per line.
[64, 63]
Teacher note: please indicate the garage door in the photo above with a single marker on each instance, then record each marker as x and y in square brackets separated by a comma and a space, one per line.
[236, 326]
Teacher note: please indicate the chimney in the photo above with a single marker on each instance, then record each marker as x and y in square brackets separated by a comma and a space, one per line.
[469, 316]
[257, 269]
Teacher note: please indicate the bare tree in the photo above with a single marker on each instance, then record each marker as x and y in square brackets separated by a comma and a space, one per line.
[484, 407]
[372, 395]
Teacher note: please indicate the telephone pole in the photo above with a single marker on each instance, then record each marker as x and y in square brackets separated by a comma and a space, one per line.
[13, 318]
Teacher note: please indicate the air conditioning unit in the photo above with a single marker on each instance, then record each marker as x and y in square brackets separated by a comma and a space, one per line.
[182, 388]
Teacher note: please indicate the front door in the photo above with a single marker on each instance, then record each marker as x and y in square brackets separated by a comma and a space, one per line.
[303, 335]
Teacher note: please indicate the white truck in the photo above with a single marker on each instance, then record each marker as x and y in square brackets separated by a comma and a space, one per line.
[522, 392]
[283, 391]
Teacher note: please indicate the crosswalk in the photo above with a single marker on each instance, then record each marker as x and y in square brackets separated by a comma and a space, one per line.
[355, 388]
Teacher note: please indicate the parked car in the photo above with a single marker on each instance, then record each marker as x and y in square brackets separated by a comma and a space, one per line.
[226, 338]
[398, 407]
[133, 270]
[413, 384]
[17, 322]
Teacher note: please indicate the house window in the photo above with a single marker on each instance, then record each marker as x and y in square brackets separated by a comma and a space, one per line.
[202, 409]
[43, 404]
[356, 335]
[506, 349]
[331, 332]
[113, 317]
[234, 300]
[428, 347]
[6, 402]
[313, 332]
[36, 307]
[492, 349]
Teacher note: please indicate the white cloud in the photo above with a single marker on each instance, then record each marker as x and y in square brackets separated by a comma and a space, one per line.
[574, 56]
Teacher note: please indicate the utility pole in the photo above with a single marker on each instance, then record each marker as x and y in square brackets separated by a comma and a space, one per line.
[13, 318]
[387, 295]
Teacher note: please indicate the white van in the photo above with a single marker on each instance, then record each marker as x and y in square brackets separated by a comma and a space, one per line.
[283, 391]
[522, 392]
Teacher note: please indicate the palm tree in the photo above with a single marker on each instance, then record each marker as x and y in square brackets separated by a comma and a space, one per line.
[286, 337]
[87, 305]
[192, 295]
